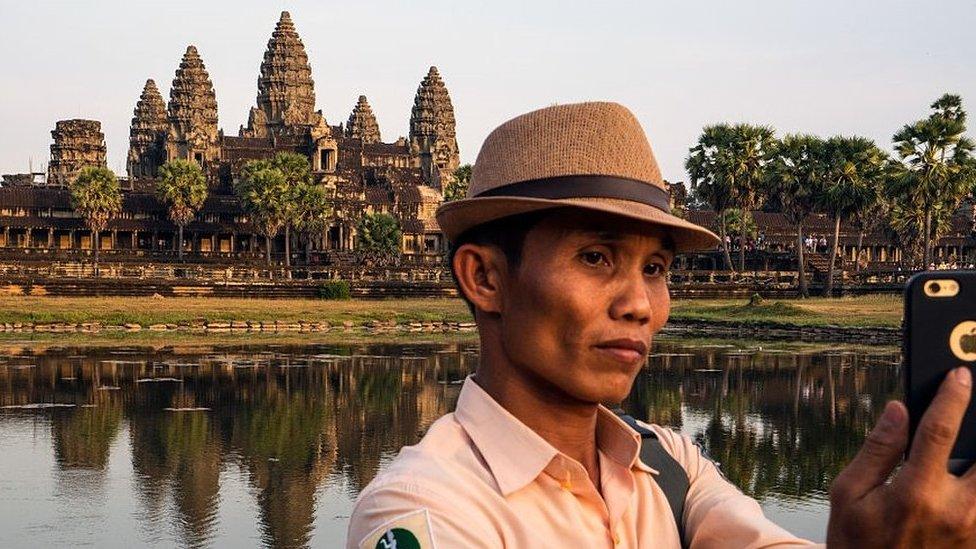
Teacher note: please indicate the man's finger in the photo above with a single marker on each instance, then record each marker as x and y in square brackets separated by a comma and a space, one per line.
[881, 452]
[937, 431]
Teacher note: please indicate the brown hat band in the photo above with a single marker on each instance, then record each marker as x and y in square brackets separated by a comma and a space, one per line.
[586, 186]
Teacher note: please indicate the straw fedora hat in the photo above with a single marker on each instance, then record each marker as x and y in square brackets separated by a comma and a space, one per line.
[585, 155]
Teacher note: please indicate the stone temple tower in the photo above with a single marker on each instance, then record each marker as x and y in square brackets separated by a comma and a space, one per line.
[286, 92]
[192, 109]
[362, 123]
[433, 145]
[147, 133]
[77, 144]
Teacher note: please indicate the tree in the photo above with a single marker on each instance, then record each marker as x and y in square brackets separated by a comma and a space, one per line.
[796, 178]
[183, 188]
[264, 194]
[749, 153]
[734, 219]
[297, 173]
[457, 187]
[709, 172]
[934, 171]
[871, 217]
[312, 213]
[379, 237]
[95, 194]
[855, 166]
[274, 201]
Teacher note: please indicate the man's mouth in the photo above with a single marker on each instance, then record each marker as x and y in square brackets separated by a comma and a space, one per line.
[628, 351]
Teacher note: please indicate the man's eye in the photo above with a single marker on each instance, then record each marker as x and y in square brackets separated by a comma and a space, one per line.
[654, 269]
[594, 258]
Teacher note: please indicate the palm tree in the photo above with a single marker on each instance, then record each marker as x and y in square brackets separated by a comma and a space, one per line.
[457, 186]
[750, 152]
[709, 173]
[312, 214]
[183, 188]
[855, 166]
[796, 178]
[95, 194]
[379, 237]
[871, 217]
[297, 172]
[291, 172]
[264, 194]
[935, 166]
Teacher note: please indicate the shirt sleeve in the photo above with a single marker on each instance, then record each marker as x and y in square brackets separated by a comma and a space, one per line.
[382, 508]
[717, 514]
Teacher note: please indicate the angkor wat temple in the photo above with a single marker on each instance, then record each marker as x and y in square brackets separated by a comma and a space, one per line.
[404, 177]
[364, 174]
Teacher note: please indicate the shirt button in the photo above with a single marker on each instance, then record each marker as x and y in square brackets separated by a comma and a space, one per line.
[616, 539]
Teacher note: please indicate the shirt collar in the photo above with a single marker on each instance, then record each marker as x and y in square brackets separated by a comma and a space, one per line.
[516, 455]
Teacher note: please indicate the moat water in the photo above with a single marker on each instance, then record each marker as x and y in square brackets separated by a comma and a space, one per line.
[238, 446]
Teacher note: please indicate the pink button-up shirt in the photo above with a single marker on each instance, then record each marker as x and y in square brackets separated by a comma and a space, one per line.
[482, 478]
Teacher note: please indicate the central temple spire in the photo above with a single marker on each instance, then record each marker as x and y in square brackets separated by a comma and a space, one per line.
[286, 92]
[192, 112]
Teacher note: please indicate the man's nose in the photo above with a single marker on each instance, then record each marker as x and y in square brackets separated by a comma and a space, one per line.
[632, 299]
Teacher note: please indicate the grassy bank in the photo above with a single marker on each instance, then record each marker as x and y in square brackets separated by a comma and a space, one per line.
[177, 310]
[858, 311]
[863, 311]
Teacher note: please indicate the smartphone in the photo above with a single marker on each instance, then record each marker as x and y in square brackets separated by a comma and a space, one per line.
[940, 335]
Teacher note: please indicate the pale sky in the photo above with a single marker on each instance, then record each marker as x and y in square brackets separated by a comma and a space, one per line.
[825, 67]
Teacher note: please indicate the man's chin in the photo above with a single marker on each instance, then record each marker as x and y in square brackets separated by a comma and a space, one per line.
[611, 389]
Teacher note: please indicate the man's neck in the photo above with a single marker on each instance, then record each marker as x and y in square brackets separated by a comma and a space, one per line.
[569, 426]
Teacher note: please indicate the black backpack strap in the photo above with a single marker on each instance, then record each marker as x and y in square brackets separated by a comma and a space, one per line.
[672, 477]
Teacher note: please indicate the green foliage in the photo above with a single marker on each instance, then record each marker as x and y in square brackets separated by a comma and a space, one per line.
[182, 186]
[379, 238]
[796, 175]
[855, 168]
[279, 191]
[933, 172]
[312, 209]
[457, 188]
[709, 167]
[727, 168]
[734, 219]
[796, 178]
[294, 167]
[95, 194]
[264, 194]
[750, 152]
[335, 289]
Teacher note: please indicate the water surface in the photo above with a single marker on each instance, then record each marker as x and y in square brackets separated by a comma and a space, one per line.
[269, 445]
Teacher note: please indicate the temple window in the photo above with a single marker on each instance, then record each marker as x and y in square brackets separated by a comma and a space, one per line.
[327, 160]
[198, 156]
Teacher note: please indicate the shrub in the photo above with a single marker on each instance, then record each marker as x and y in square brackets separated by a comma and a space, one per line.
[335, 289]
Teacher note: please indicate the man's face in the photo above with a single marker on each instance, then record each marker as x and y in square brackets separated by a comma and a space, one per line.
[580, 311]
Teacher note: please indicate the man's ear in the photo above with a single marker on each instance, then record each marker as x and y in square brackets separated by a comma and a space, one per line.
[479, 271]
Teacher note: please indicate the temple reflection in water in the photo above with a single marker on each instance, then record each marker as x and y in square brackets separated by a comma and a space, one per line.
[200, 439]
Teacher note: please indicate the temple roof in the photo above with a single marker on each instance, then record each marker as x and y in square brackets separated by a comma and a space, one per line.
[149, 120]
[286, 92]
[433, 113]
[362, 122]
[192, 101]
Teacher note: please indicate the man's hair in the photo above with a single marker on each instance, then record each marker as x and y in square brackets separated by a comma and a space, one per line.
[508, 235]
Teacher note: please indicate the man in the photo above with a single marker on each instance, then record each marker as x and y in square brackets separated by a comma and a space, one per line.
[561, 250]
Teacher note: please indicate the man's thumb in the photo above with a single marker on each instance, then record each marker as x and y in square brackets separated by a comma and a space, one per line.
[882, 450]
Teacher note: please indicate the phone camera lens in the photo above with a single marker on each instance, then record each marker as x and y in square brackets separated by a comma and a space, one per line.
[935, 288]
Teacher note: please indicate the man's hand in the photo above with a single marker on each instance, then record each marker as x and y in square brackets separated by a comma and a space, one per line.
[923, 505]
